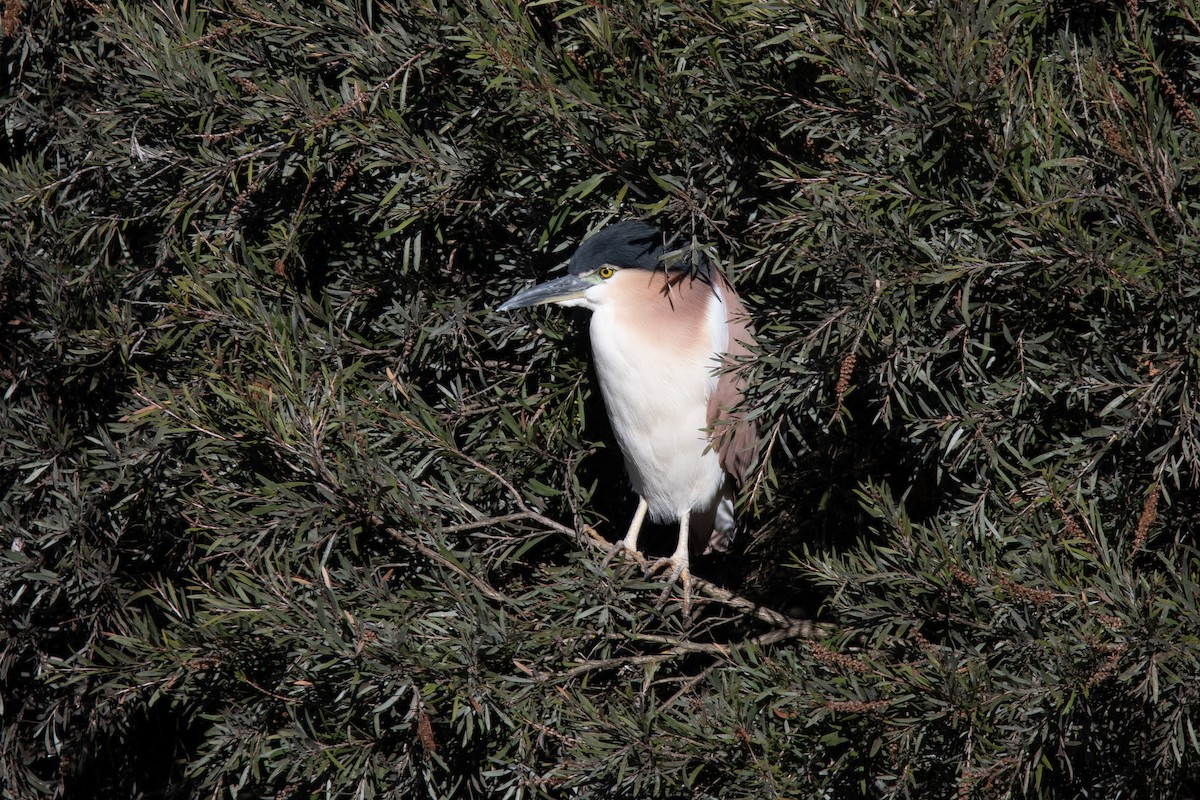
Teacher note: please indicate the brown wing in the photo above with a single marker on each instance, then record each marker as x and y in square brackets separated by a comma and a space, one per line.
[734, 438]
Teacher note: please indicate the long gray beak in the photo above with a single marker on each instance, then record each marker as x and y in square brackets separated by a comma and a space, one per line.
[568, 287]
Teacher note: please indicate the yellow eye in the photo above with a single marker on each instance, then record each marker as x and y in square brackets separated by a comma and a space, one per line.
[605, 272]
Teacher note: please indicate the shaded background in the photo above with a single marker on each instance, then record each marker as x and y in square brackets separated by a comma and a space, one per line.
[288, 512]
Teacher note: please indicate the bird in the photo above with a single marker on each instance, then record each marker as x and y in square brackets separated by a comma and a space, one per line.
[662, 336]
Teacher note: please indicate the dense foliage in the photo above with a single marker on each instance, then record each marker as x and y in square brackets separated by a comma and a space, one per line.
[288, 511]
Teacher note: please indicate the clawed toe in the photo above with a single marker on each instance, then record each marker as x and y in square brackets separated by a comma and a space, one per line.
[673, 567]
[677, 568]
[629, 543]
[679, 573]
[619, 547]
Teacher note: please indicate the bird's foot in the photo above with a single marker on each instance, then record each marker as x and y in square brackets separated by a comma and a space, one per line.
[622, 546]
[630, 541]
[678, 573]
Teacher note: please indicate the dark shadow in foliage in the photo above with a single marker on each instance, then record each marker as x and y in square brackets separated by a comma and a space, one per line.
[142, 757]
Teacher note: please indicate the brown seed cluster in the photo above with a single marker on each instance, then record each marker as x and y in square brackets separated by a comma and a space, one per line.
[1112, 137]
[213, 35]
[1071, 524]
[425, 734]
[356, 103]
[963, 577]
[1147, 519]
[923, 642]
[1036, 596]
[1108, 667]
[840, 660]
[10, 22]
[1182, 109]
[349, 172]
[246, 85]
[858, 706]
[996, 63]
[845, 372]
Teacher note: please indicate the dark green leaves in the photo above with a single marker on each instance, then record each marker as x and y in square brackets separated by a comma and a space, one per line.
[289, 511]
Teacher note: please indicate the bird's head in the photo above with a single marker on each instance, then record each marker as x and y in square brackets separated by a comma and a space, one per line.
[597, 266]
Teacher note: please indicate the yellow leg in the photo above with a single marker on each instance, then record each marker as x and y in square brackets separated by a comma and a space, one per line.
[635, 527]
[631, 536]
[678, 563]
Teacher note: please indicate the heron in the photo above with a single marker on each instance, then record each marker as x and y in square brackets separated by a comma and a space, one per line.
[662, 338]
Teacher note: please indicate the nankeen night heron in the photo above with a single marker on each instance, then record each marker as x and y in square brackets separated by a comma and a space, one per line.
[660, 337]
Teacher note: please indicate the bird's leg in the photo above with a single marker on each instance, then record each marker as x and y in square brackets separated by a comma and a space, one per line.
[635, 526]
[631, 536]
[678, 562]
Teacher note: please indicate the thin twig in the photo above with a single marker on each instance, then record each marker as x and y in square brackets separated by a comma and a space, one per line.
[490, 522]
[434, 555]
[789, 626]
[608, 663]
[710, 591]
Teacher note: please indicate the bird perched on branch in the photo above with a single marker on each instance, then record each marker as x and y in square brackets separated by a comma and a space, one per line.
[660, 335]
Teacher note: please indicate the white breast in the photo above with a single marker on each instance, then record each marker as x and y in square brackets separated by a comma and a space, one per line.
[656, 394]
